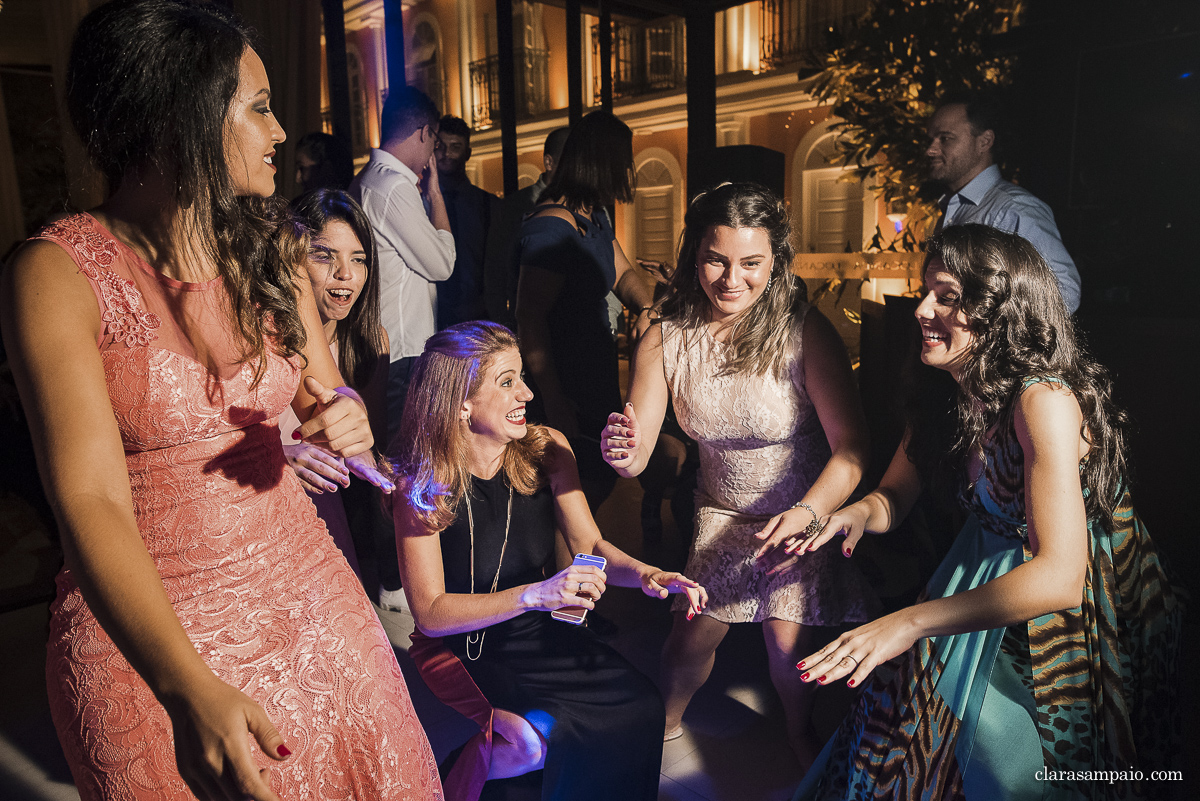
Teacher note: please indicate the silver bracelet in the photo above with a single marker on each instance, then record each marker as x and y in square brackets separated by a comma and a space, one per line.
[813, 527]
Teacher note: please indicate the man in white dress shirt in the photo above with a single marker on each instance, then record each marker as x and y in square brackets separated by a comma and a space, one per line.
[412, 233]
[962, 138]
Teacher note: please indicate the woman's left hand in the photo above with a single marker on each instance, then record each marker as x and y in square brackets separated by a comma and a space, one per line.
[781, 533]
[338, 425]
[859, 651]
[660, 584]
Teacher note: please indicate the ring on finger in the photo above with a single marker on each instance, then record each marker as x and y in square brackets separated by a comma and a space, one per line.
[851, 658]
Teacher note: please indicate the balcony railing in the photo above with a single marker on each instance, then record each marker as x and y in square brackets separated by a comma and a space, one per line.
[647, 57]
[533, 86]
[795, 29]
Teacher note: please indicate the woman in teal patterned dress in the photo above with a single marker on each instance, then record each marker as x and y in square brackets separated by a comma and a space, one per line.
[1046, 644]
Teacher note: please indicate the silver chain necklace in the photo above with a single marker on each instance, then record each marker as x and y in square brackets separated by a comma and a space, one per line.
[476, 637]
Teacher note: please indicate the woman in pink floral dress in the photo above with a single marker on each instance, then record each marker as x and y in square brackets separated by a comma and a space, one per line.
[208, 639]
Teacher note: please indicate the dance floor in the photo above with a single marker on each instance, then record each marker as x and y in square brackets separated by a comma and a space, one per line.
[733, 748]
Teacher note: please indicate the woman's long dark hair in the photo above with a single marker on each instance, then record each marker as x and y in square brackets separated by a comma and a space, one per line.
[758, 341]
[1022, 331]
[596, 166]
[149, 86]
[360, 339]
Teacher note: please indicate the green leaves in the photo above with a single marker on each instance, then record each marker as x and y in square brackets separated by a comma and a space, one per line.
[884, 74]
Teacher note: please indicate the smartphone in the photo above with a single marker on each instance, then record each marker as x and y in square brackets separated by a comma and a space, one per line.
[575, 614]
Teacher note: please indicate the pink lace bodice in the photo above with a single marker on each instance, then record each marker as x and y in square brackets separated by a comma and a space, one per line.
[253, 576]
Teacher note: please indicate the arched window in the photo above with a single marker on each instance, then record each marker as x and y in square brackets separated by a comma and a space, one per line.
[656, 210]
[423, 66]
[833, 208]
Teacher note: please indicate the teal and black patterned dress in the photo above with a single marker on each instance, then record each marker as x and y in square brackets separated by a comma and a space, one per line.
[1022, 712]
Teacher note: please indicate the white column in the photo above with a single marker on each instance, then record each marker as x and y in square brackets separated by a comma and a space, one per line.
[466, 46]
[379, 46]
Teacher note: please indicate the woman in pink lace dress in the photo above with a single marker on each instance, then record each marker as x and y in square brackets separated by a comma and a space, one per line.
[208, 639]
[761, 381]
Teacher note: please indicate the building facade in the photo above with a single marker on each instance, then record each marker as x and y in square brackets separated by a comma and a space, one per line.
[761, 52]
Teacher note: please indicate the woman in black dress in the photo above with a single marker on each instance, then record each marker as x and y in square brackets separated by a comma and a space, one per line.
[482, 494]
[569, 262]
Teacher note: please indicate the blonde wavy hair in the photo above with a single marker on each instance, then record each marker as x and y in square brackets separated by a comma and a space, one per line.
[429, 453]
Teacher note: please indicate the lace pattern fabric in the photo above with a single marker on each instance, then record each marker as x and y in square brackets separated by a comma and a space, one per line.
[761, 448]
[265, 596]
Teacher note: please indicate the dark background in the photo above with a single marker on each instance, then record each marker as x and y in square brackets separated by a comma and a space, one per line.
[1107, 95]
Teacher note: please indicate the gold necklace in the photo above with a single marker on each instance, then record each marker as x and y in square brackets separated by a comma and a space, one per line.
[476, 637]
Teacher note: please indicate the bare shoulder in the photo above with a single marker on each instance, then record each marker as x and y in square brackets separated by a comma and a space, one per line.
[651, 342]
[824, 352]
[408, 526]
[557, 212]
[43, 286]
[41, 259]
[557, 448]
[558, 457]
[1047, 413]
[819, 332]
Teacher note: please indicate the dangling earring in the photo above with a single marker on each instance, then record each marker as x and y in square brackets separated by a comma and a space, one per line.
[467, 419]
[770, 281]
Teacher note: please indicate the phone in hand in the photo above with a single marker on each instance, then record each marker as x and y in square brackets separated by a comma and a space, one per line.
[575, 614]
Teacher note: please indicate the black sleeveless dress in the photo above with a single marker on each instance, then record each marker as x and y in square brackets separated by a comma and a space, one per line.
[602, 719]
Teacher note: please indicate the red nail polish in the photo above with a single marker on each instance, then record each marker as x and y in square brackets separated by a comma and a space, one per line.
[799, 666]
[850, 683]
[821, 680]
[847, 552]
[283, 750]
[803, 677]
[296, 434]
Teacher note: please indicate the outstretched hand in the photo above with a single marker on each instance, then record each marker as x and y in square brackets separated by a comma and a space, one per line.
[212, 751]
[661, 583]
[859, 651]
[620, 440]
[339, 424]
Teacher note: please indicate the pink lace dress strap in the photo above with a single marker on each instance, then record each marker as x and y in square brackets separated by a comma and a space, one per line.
[99, 257]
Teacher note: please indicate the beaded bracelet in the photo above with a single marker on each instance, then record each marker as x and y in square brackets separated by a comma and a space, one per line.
[815, 525]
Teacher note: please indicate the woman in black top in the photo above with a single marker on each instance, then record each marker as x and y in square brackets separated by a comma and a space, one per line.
[569, 261]
[481, 497]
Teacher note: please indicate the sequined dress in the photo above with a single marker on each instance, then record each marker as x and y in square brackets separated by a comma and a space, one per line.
[264, 595]
[761, 448]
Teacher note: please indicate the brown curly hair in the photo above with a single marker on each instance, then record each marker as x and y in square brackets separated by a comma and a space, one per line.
[1023, 332]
